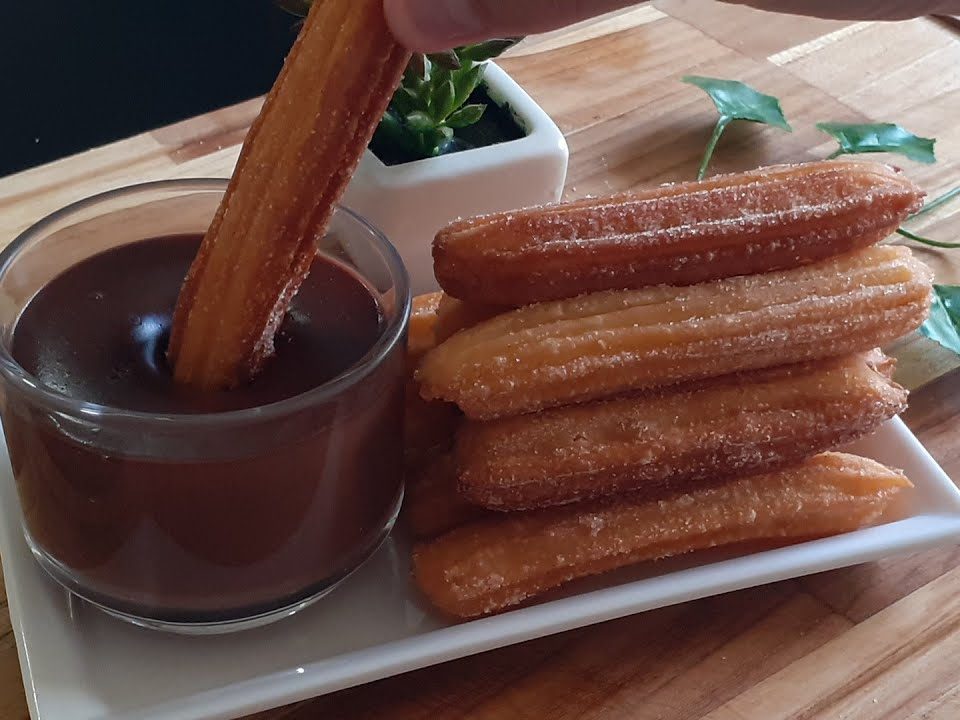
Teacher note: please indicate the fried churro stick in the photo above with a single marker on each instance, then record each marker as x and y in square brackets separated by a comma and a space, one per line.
[455, 315]
[429, 427]
[769, 219]
[490, 565]
[432, 504]
[608, 343]
[422, 335]
[731, 426]
[295, 164]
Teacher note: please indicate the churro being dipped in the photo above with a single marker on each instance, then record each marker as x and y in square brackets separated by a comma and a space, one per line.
[605, 344]
[772, 218]
[295, 164]
[652, 443]
[490, 565]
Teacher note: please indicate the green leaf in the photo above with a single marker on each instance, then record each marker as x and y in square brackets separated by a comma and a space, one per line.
[488, 50]
[943, 325]
[405, 101]
[466, 116]
[443, 101]
[420, 121]
[466, 82]
[738, 101]
[879, 137]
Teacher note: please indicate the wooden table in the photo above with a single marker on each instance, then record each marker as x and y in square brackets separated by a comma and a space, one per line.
[877, 641]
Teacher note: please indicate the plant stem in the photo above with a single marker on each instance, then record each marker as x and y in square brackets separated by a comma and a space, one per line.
[925, 241]
[936, 203]
[712, 145]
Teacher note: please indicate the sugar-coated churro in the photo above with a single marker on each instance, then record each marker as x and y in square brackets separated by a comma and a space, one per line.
[489, 565]
[604, 344]
[422, 335]
[455, 315]
[294, 166]
[432, 505]
[657, 442]
[768, 219]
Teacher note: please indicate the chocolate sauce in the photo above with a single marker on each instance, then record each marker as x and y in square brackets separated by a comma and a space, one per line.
[99, 332]
[292, 504]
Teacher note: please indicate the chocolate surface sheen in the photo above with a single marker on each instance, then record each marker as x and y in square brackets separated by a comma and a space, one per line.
[98, 332]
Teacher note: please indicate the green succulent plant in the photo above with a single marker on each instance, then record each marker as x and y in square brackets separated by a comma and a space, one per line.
[433, 100]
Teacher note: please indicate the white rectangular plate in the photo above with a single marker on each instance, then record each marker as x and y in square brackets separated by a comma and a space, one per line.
[79, 664]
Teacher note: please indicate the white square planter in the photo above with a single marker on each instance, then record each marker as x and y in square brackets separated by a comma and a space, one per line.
[411, 202]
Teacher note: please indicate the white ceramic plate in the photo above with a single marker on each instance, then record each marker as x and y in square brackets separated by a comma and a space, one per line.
[79, 664]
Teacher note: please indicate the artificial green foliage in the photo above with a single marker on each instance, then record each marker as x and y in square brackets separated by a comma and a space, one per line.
[855, 139]
[736, 101]
[943, 325]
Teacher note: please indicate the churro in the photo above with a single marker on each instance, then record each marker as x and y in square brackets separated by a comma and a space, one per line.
[605, 344]
[422, 335]
[432, 505]
[455, 315]
[492, 564]
[732, 426]
[295, 164]
[773, 218]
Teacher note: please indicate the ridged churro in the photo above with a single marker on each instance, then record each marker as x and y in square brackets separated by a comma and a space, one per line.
[492, 564]
[422, 335]
[605, 344]
[772, 218]
[455, 315]
[432, 505]
[728, 427]
[429, 426]
[295, 164]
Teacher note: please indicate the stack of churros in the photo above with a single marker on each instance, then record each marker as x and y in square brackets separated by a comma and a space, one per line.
[620, 380]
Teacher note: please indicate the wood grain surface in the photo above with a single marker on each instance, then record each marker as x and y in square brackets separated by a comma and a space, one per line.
[876, 641]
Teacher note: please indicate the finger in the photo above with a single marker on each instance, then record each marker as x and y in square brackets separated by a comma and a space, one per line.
[861, 10]
[432, 25]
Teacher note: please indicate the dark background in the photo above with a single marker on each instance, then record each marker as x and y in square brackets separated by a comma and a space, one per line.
[75, 74]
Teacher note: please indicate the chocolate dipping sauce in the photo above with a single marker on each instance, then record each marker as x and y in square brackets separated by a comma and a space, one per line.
[281, 510]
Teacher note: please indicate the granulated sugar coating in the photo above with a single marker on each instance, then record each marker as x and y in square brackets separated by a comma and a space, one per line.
[489, 565]
[773, 218]
[728, 427]
[604, 344]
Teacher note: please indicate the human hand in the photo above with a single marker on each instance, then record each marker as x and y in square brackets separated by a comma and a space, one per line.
[432, 25]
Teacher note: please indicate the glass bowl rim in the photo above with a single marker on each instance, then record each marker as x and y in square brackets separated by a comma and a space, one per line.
[17, 378]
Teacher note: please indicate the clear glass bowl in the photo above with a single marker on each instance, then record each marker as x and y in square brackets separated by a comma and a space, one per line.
[203, 522]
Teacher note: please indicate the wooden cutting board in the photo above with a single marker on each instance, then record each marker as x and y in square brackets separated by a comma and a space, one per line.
[877, 641]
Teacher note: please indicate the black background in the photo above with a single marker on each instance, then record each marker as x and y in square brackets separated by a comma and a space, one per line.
[75, 74]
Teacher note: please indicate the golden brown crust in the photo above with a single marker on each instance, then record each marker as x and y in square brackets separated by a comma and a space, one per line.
[605, 344]
[294, 166]
[455, 315]
[652, 443]
[772, 218]
[422, 335]
[492, 564]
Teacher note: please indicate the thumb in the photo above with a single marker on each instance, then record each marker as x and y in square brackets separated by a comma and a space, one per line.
[432, 25]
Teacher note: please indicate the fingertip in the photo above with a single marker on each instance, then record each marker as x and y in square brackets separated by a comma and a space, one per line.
[403, 19]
